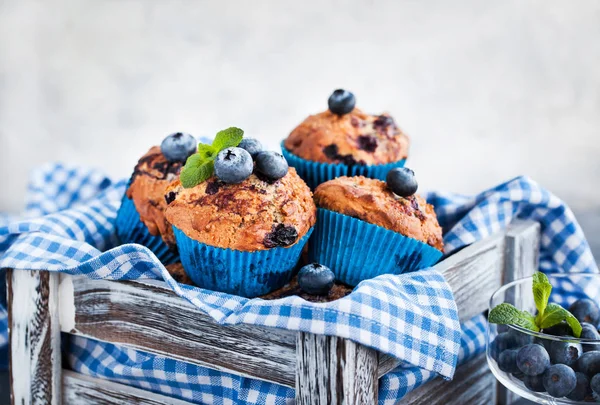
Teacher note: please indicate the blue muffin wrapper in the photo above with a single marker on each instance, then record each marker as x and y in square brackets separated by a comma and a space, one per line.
[248, 274]
[131, 229]
[315, 173]
[356, 250]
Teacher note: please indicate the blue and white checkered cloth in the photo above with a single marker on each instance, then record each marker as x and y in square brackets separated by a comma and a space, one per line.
[69, 227]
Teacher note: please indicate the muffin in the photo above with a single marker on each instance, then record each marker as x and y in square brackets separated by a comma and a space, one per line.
[364, 229]
[140, 218]
[344, 141]
[241, 230]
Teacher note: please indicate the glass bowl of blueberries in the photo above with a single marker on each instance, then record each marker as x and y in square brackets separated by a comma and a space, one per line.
[542, 338]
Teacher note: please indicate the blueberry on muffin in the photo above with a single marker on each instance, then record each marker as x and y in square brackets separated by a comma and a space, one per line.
[345, 141]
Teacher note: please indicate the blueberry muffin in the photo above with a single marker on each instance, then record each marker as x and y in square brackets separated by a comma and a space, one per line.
[345, 141]
[241, 218]
[368, 227]
[140, 218]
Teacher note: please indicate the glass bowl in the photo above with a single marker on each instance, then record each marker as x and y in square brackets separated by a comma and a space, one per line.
[567, 288]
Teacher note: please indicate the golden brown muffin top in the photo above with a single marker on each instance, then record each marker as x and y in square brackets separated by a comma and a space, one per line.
[152, 174]
[354, 138]
[370, 200]
[252, 215]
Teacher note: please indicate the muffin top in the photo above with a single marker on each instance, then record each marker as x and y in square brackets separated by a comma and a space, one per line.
[255, 214]
[152, 174]
[371, 201]
[353, 138]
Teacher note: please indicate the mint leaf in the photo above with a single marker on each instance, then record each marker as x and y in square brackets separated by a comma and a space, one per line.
[555, 314]
[506, 314]
[541, 293]
[195, 171]
[227, 138]
[207, 152]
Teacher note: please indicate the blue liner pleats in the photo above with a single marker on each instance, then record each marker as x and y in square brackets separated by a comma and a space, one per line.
[248, 274]
[356, 250]
[131, 229]
[315, 173]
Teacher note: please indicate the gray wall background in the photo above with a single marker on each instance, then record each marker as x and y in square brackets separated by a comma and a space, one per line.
[487, 90]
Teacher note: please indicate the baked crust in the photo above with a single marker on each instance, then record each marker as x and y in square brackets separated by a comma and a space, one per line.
[151, 176]
[354, 138]
[255, 214]
[371, 201]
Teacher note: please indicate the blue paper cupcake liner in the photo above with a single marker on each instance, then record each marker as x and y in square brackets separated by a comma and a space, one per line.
[248, 274]
[131, 229]
[315, 173]
[356, 250]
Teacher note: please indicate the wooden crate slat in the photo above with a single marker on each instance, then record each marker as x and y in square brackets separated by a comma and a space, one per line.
[473, 384]
[79, 389]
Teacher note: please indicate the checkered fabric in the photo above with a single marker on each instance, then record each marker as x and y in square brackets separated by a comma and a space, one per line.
[73, 233]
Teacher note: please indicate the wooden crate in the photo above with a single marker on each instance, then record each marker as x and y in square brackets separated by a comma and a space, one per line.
[146, 315]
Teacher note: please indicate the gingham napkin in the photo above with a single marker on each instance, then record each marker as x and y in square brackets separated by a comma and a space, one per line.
[80, 207]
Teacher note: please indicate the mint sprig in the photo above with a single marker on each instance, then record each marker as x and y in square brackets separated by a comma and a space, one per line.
[548, 314]
[200, 166]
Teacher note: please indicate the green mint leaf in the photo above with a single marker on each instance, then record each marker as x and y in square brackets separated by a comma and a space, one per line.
[555, 314]
[207, 152]
[195, 171]
[506, 314]
[227, 138]
[541, 293]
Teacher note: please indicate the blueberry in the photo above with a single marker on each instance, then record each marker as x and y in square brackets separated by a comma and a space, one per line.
[271, 164]
[595, 384]
[589, 363]
[341, 102]
[315, 279]
[521, 338]
[503, 342]
[233, 165]
[178, 147]
[559, 380]
[533, 359]
[585, 310]
[402, 181]
[507, 361]
[582, 389]
[251, 145]
[560, 329]
[544, 342]
[565, 352]
[589, 332]
[534, 383]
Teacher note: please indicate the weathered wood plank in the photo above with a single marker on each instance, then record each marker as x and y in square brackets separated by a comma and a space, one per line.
[473, 384]
[331, 370]
[79, 389]
[522, 260]
[35, 357]
[154, 319]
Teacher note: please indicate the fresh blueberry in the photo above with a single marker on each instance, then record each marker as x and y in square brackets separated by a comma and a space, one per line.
[534, 382]
[507, 361]
[315, 279]
[533, 359]
[559, 380]
[595, 384]
[589, 363]
[521, 338]
[271, 164]
[589, 332]
[233, 165]
[585, 310]
[341, 102]
[565, 352]
[582, 389]
[503, 341]
[251, 145]
[402, 181]
[544, 342]
[178, 147]
[560, 329]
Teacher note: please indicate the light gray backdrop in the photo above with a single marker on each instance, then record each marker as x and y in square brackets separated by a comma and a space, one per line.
[487, 90]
